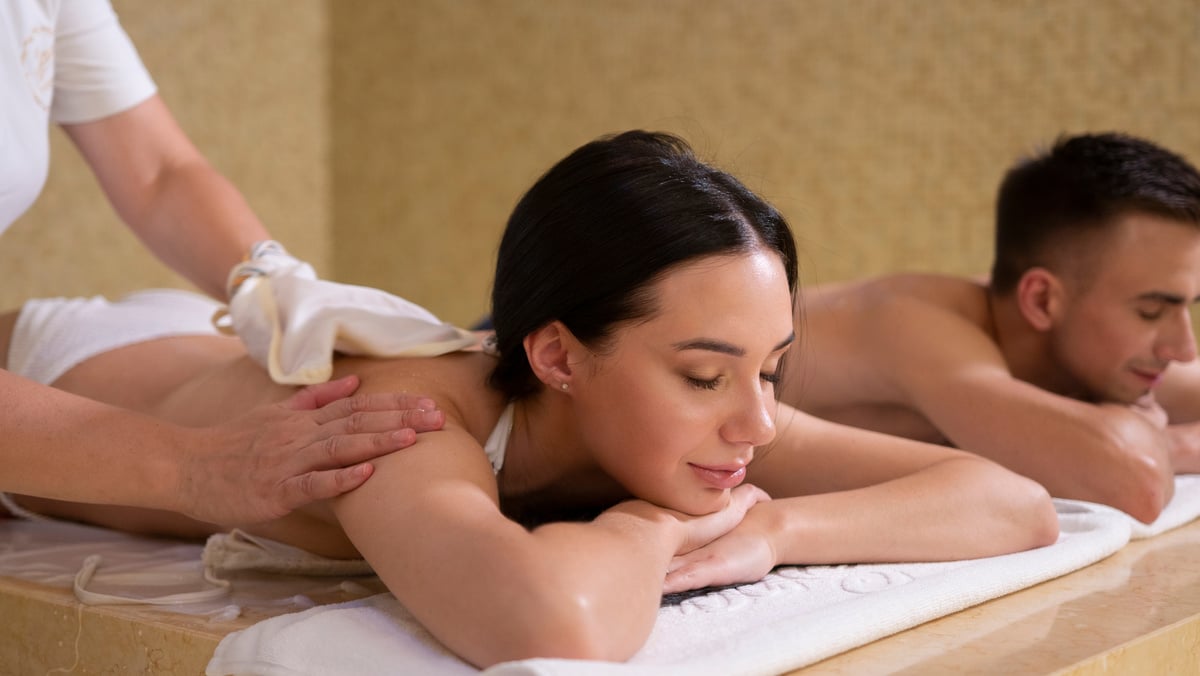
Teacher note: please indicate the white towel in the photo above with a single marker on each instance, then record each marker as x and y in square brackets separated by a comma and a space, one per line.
[793, 617]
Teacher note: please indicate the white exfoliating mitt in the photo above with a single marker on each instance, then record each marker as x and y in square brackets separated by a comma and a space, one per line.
[292, 322]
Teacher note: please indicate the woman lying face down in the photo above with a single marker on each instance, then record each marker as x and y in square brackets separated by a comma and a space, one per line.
[643, 308]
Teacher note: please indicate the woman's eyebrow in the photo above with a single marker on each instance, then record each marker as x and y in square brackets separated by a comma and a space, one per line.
[713, 345]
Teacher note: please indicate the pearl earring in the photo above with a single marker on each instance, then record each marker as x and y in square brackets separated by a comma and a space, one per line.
[564, 386]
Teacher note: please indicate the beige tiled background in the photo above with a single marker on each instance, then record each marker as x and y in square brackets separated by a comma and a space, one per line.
[386, 141]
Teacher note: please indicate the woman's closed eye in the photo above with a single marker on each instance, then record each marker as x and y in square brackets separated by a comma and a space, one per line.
[704, 383]
[715, 382]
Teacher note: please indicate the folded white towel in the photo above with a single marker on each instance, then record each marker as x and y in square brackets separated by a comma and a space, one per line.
[793, 617]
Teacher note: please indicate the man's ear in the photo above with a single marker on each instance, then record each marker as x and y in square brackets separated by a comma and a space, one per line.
[549, 350]
[1040, 298]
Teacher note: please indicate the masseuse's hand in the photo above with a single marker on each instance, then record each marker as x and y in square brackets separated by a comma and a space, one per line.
[744, 554]
[313, 446]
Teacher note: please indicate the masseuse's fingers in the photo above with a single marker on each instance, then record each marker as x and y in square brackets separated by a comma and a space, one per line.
[313, 446]
[332, 399]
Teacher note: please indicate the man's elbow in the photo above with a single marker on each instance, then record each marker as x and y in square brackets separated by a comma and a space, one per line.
[1146, 490]
[1145, 506]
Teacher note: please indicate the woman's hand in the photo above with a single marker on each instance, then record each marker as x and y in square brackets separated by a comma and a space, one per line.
[703, 530]
[315, 445]
[744, 554]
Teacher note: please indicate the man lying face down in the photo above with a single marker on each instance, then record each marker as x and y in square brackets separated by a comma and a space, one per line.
[1073, 364]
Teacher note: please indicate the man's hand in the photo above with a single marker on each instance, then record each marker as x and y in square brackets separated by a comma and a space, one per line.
[745, 554]
[1150, 409]
[315, 445]
[1185, 447]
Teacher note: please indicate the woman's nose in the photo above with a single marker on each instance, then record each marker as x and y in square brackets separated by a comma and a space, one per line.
[754, 421]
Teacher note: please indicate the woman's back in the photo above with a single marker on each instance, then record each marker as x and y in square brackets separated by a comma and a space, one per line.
[203, 380]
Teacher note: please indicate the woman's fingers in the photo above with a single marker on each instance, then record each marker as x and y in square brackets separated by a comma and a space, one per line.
[705, 529]
[744, 554]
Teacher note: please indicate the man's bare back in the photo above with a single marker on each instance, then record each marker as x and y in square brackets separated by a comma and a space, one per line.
[858, 338]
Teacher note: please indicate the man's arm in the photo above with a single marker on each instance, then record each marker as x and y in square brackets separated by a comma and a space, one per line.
[954, 374]
[1179, 397]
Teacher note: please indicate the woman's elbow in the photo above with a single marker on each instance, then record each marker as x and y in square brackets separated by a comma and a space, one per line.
[1024, 513]
[1037, 520]
[566, 627]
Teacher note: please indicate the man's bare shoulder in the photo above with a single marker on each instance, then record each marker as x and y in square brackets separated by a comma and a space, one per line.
[877, 303]
[875, 342]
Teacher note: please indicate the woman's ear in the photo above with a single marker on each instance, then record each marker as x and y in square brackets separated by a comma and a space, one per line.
[549, 350]
[1040, 298]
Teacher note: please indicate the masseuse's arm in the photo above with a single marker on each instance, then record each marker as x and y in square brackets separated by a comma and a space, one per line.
[194, 220]
[847, 495]
[260, 466]
[489, 589]
[956, 376]
[186, 212]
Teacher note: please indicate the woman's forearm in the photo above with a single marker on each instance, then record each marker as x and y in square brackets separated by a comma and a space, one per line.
[959, 508]
[492, 591]
[615, 568]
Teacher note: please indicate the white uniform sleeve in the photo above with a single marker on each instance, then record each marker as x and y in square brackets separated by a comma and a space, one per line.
[97, 71]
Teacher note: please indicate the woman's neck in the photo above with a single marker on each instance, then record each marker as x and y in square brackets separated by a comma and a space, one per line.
[547, 468]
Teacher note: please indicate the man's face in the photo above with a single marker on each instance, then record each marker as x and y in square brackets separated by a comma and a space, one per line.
[1127, 317]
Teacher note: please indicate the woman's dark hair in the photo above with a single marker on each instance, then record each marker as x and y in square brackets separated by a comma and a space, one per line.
[1081, 185]
[586, 242]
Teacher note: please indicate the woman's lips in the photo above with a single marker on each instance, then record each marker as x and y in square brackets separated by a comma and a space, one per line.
[720, 476]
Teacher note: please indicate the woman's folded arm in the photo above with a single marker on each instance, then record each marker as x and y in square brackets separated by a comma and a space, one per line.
[492, 591]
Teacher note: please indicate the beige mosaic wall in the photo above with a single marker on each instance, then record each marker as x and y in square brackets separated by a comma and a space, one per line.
[387, 140]
[247, 82]
[879, 127]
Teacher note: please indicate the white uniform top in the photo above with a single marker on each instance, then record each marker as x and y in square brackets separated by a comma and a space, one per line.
[64, 61]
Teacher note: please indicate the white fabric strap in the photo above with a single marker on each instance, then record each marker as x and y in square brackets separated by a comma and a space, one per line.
[18, 511]
[91, 564]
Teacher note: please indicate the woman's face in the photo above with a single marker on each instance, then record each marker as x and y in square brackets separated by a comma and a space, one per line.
[674, 409]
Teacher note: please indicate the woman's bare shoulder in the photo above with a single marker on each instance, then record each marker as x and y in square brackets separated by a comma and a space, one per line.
[457, 382]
